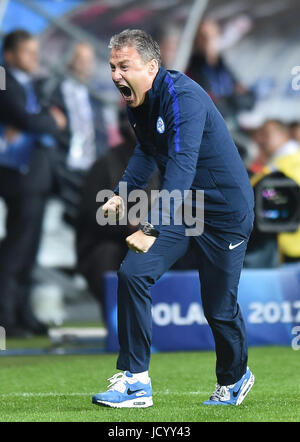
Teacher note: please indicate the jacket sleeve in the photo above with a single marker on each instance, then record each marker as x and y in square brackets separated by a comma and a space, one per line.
[138, 171]
[17, 116]
[185, 118]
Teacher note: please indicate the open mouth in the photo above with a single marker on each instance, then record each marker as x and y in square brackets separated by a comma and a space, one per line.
[125, 91]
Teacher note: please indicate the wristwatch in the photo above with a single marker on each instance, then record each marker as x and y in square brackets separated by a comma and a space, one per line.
[149, 230]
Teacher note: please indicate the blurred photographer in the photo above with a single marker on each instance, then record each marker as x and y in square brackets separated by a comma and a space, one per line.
[295, 131]
[282, 154]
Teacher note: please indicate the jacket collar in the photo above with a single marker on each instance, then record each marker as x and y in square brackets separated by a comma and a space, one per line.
[20, 76]
[156, 86]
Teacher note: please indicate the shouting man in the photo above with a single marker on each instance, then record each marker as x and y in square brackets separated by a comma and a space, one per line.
[178, 129]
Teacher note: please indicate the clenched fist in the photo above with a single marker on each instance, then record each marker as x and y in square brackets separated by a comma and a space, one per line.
[114, 208]
[139, 242]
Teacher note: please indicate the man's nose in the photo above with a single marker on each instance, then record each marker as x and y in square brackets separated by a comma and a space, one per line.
[116, 75]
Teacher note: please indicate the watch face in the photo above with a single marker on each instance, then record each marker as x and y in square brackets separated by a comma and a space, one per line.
[147, 228]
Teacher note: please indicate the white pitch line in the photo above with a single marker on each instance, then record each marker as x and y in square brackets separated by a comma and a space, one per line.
[57, 394]
[46, 394]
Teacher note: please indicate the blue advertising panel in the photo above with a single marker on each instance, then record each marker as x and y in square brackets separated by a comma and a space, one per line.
[269, 299]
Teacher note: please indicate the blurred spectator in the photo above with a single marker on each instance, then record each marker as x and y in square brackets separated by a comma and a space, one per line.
[86, 122]
[102, 248]
[282, 156]
[261, 158]
[208, 68]
[85, 138]
[168, 37]
[275, 141]
[295, 131]
[25, 179]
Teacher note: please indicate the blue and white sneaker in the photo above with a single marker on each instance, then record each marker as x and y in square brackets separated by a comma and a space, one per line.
[232, 394]
[124, 391]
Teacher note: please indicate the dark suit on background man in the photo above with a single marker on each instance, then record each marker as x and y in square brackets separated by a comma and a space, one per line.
[24, 190]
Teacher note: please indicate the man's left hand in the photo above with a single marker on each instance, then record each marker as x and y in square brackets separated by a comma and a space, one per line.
[139, 242]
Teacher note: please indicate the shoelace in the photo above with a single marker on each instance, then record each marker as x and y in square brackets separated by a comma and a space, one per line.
[220, 392]
[117, 382]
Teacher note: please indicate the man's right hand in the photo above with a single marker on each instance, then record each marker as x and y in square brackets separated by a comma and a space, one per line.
[59, 117]
[114, 208]
[10, 133]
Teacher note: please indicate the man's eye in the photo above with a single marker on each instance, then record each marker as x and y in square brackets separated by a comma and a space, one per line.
[124, 68]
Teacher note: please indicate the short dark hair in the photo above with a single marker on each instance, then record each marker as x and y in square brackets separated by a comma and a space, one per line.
[12, 40]
[141, 40]
[294, 124]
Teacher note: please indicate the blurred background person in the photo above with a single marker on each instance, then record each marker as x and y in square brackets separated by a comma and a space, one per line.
[260, 157]
[169, 39]
[207, 67]
[282, 159]
[276, 141]
[295, 131]
[25, 179]
[85, 137]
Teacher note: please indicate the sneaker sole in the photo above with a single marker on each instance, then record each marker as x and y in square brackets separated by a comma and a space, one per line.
[132, 403]
[246, 389]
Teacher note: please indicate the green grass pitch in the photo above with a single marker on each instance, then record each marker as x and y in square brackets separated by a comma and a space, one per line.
[59, 388]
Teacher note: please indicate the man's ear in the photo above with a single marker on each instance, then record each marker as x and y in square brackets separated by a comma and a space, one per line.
[153, 67]
[8, 57]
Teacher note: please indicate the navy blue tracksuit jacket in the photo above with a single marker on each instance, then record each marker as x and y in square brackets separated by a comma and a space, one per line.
[179, 129]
